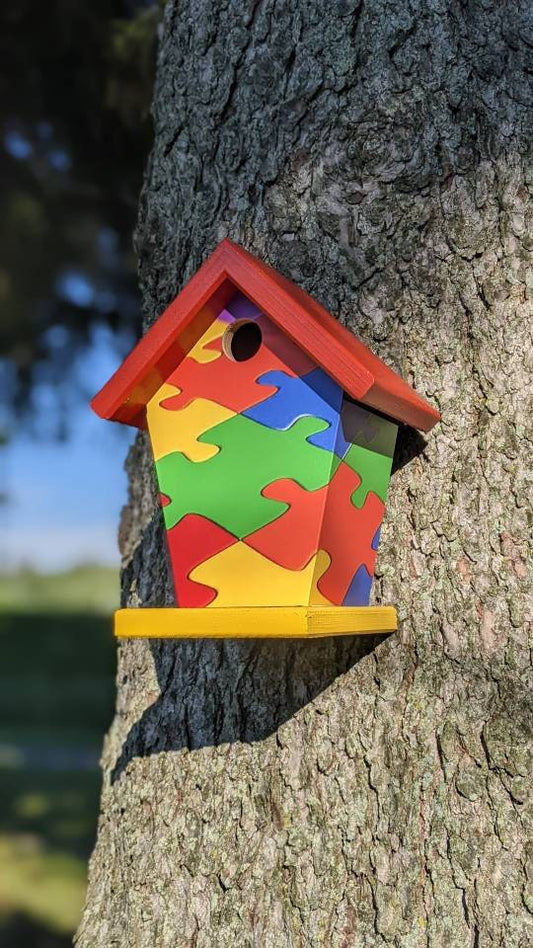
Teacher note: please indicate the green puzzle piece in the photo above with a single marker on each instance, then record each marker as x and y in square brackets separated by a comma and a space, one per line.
[373, 469]
[227, 487]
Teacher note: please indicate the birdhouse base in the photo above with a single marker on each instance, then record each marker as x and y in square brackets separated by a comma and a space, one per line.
[253, 622]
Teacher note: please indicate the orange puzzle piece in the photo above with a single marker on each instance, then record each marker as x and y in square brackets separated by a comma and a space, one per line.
[191, 541]
[291, 539]
[347, 534]
[323, 519]
[231, 384]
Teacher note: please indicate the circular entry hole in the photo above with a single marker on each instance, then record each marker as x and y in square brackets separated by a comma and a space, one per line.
[241, 340]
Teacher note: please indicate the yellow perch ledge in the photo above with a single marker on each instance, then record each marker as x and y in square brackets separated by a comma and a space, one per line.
[252, 622]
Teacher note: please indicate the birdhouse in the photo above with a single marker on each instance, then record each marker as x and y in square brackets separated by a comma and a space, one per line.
[273, 431]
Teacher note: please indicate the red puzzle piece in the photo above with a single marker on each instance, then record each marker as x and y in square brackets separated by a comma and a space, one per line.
[231, 384]
[296, 362]
[324, 519]
[234, 384]
[293, 538]
[193, 540]
[347, 534]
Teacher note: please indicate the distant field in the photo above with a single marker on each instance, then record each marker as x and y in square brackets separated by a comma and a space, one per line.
[56, 701]
[84, 589]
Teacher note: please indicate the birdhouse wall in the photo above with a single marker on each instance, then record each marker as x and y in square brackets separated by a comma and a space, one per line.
[272, 483]
[355, 504]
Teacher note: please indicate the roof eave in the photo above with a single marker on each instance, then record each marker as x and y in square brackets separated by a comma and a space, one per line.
[359, 372]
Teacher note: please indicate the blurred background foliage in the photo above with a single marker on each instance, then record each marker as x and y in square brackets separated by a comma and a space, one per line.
[76, 81]
[56, 701]
[75, 87]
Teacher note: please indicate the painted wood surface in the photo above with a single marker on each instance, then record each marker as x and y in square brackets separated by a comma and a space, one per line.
[359, 372]
[272, 484]
[259, 622]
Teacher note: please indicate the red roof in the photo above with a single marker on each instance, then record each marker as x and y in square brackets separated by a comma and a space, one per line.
[229, 268]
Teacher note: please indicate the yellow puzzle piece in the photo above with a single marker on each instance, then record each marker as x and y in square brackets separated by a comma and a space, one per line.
[199, 352]
[243, 577]
[179, 430]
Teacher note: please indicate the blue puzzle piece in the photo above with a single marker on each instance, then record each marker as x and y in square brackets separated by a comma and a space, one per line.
[315, 395]
[375, 541]
[359, 591]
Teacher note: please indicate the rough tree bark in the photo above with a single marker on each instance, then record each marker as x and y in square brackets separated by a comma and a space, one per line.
[345, 792]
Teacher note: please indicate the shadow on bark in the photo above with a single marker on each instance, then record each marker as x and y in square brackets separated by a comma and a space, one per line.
[198, 708]
[219, 692]
[409, 445]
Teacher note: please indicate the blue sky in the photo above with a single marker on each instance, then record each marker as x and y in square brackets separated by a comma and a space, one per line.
[64, 498]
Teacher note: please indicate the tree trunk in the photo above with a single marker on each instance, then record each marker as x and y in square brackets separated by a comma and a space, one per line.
[345, 792]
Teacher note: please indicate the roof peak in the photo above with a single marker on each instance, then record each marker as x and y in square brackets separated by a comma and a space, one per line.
[230, 268]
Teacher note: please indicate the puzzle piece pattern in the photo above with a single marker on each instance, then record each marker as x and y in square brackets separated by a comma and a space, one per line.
[315, 395]
[346, 534]
[204, 351]
[179, 430]
[374, 470]
[231, 384]
[296, 362]
[239, 568]
[272, 483]
[324, 519]
[193, 540]
[360, 426]
[235, 385]
[359, 589]
[227, 487]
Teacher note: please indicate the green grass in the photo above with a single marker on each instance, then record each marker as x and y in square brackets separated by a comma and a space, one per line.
[56, 668]
[46, 886]
[62, 643]
[56, 701]
[55, 807]
[89, 589]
